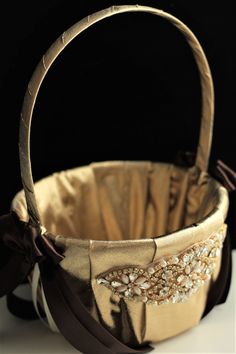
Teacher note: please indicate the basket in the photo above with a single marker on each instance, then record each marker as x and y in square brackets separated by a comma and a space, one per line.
[119, 254]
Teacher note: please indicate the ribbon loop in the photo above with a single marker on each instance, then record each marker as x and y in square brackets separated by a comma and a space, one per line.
[21, 246]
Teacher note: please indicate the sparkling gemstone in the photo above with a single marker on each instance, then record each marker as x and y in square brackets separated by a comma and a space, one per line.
[121, 288]
[193, 263]
[137, 290]
[115, 284]
[191, 255]
[213, 252]
[209, 269]
[175, 297]
[151, 270]
[164, 291]
[197, 251]
[180, 278]
[133, 277]
[188, 284]
[128, 293]
[140, 280]
[186, 258]
[145, 285]
[163, 263]
[204, 251]
[125, 279]
[198, 267]
[174, 260]
[167, 274]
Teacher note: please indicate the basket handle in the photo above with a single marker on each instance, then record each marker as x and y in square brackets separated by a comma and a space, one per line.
[205, 138]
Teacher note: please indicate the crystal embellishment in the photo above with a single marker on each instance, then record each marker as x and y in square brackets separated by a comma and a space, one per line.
[171, 279]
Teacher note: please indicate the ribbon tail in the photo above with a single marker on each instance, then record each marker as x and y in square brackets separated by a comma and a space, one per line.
[224, 174]
[13, 266]
[73, 319]
[12, 274]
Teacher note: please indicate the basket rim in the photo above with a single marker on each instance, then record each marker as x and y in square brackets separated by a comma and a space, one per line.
[210, 223]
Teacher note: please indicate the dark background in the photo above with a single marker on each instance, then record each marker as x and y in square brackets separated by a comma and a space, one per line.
[127, 88]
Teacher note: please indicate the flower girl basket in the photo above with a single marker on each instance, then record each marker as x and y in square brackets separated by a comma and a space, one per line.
[122, 253]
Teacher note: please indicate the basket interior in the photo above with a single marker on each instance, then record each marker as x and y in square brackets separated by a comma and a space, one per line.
[121, 200]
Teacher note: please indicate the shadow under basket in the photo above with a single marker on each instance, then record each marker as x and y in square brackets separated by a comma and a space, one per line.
[120, 253]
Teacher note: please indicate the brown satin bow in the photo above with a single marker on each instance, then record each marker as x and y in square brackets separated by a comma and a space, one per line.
[21, 246]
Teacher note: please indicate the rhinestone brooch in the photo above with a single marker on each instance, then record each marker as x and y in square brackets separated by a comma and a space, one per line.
[171, 279]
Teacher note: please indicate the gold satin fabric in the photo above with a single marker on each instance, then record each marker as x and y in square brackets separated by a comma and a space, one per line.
[112, 214]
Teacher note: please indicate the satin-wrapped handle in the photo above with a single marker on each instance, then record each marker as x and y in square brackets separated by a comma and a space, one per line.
[205, 139]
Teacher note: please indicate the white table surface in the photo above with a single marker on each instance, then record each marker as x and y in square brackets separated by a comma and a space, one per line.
[215, 333]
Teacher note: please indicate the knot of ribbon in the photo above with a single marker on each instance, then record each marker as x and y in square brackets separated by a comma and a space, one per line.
[21, 246]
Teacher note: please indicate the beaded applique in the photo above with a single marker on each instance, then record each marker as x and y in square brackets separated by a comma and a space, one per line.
[171, 279]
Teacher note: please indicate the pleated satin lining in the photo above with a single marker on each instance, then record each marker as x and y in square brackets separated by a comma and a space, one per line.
[121, 200]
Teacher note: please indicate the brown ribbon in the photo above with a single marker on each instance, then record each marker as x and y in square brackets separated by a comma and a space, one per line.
[21, 246]
[225, 175]
[218, 169]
